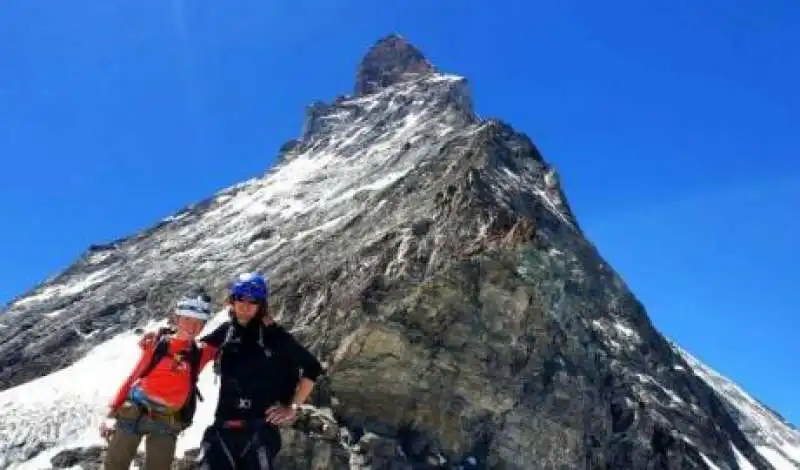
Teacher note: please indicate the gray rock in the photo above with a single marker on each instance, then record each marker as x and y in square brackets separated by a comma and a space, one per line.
[389, 61]
[89, 458]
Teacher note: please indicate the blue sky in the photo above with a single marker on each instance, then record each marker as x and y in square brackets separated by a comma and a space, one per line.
[673, 124]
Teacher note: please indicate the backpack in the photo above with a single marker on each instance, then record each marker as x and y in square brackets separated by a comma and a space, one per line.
[187, 411]
[288, 372]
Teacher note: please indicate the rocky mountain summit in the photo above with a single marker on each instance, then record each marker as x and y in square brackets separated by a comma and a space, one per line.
[431, 260]
[392, 60]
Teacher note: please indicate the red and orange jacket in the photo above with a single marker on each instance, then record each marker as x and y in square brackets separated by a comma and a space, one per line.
[169, 382]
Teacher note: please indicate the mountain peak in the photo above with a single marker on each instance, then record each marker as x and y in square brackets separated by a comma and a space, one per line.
[401, 233]
[390, 60]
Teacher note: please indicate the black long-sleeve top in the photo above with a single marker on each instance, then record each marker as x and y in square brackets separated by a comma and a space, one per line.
[259, 365]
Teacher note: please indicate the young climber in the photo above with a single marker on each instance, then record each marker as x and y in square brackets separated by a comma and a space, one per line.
[265, 374]
[158, 398]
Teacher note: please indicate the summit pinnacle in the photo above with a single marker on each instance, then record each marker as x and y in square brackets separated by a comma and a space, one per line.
[390, 60]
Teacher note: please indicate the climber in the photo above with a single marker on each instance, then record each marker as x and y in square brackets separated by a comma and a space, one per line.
[158, 398]
[265, 375]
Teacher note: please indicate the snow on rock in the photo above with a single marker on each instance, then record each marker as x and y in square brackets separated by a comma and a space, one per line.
[552, 205]
[616, 333]
[744, 464]
[770, 434]
[710, 463]
[674, 397]
[65, 407]
[778, 459]
[74, 286]
[325, 179]
[627, 331]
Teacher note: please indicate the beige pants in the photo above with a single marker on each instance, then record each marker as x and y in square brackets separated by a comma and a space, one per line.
[159, 446]
[159, 451]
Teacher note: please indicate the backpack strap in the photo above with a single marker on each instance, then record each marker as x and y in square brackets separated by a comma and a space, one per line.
[195, 355]
[161, 349]
[218, 356]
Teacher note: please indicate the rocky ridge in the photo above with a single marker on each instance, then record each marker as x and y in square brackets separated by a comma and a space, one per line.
[431, 259]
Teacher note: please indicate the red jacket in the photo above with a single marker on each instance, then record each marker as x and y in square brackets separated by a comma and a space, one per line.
[169, 382]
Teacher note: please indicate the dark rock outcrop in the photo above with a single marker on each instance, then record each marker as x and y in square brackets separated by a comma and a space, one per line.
[390, 61]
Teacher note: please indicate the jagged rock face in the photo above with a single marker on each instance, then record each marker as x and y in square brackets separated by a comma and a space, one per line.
[391, 60]
[432, 261]
[764, 428]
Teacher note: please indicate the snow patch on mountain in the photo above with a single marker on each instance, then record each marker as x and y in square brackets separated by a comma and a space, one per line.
[710, 463]
[360, 147]
[774, 438]
[72, 287]
[64, 409]
[777, 459]
[744, 464]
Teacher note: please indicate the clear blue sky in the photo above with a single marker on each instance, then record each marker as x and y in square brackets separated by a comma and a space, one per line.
[674, 126]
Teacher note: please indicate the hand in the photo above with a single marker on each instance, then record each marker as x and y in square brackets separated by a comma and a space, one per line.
[148, 339]
[107, 428]
[280, 414]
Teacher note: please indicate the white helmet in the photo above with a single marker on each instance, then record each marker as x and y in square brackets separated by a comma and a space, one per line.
[195, 305]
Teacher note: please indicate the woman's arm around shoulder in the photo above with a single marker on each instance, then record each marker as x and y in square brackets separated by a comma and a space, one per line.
[216, 337]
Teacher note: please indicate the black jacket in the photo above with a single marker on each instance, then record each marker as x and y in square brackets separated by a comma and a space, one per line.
[258, 367]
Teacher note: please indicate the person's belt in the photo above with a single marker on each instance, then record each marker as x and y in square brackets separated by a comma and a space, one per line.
[234, 424]
[241, 423]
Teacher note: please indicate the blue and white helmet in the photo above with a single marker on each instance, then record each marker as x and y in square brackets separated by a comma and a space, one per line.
[252, 285]
[196, 304]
